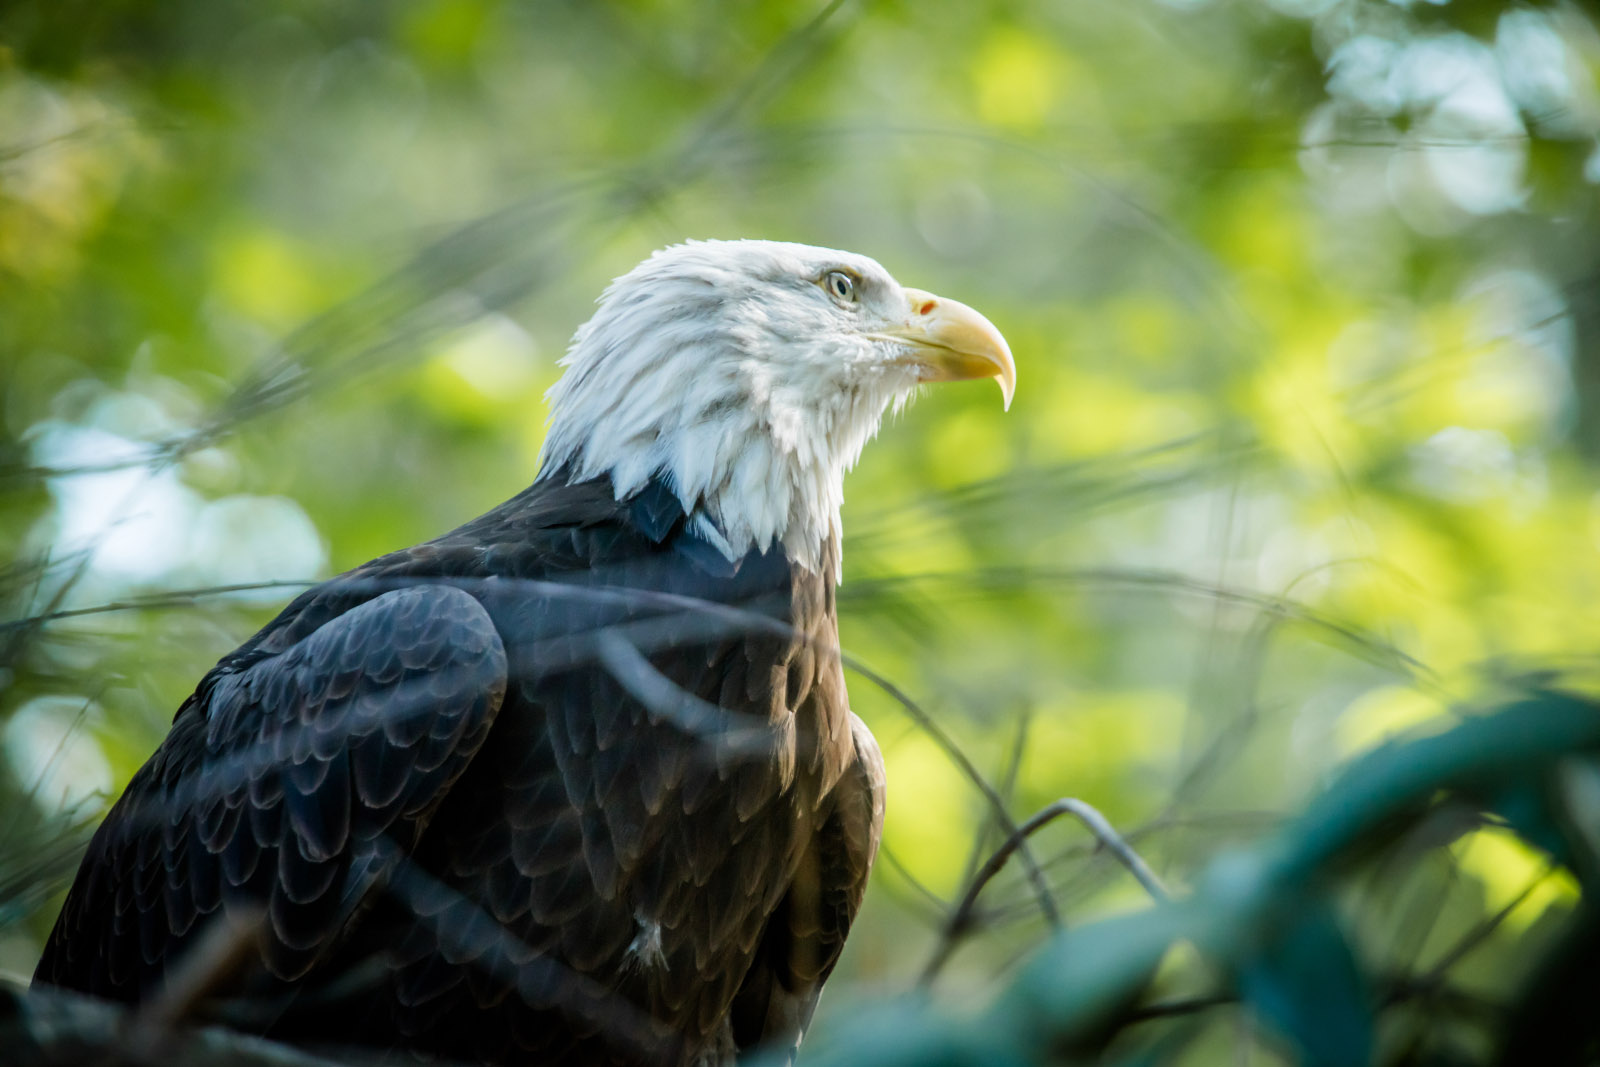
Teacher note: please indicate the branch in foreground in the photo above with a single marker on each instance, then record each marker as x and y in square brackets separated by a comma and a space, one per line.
[53, 1028]
[1267, 922]
[961, 920]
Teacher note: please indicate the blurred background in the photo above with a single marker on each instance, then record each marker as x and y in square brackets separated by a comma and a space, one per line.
[1303, 297]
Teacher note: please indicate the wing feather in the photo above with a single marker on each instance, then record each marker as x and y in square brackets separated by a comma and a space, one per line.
[802, 941]
[272, 777]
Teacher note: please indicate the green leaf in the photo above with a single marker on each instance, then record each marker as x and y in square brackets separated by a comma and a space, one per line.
[1304, 982]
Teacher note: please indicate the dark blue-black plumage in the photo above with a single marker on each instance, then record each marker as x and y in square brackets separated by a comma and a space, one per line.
[562, 786]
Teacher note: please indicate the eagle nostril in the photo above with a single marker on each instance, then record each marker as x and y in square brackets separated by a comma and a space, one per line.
[926, 306]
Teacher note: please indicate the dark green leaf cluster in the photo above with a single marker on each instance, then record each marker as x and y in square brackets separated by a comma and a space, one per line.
[1272, 929]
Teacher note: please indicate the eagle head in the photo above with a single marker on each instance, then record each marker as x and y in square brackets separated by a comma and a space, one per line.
[748, 375]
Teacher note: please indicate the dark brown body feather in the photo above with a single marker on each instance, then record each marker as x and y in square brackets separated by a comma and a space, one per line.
[562, 786]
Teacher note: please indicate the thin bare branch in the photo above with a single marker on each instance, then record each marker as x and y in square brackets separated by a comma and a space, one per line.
[961, 920]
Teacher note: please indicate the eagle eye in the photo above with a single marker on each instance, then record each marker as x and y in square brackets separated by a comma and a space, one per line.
[841, 286]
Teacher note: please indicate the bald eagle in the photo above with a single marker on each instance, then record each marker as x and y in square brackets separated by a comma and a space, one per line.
[577, 782]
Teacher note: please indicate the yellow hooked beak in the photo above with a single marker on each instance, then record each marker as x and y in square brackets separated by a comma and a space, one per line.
[954, 343]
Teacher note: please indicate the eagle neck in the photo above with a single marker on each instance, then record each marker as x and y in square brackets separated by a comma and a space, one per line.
[764, 495]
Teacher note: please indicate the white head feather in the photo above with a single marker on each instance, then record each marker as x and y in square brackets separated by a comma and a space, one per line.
[731, 369]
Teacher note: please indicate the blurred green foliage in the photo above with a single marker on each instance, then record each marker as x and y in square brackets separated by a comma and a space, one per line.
[1302, 294]
[1266, 927]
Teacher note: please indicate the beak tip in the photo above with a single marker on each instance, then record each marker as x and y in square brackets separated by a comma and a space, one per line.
[958, 344]
[1007, 377]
